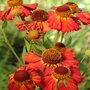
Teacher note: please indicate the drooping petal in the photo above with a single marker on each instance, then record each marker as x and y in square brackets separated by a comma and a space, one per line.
[20, 25]
[14, 85]
[36, 78]
[50, 84]
[62, 86]
[54, 21]
[68, 54]
[45, 26]
[31, 58]
[10, 17]
[84, 17]
[5, 15]
[70, 85]
[68, 25]
[30, 85]
[24, 11]
[69, 63]
[31, 6]
[54, 7]
[77, 75]
[22, 87]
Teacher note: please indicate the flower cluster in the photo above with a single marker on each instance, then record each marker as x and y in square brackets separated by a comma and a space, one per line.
[65, 18]
[56, 68]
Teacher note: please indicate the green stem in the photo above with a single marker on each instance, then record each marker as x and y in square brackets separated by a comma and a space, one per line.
[56, 37]
[7, 42]
[62, 37]
[31, 45]
[82, 59]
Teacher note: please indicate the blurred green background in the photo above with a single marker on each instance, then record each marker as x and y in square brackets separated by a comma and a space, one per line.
[80, 43]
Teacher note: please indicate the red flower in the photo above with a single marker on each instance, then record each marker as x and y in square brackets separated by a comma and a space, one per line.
[25, 78]
[64, 68]
[17, 8]
[61, 78]
[52, 57]
[62, 19]
[66, 18]
[38, 21]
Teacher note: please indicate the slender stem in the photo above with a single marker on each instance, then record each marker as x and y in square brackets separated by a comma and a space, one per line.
[56, 37]
[62, 37]
[82, 59]
[31, 45]
[7, 42]
[58, 82]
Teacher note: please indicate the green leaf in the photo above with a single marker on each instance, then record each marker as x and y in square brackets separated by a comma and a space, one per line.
[4, 24]
[87, 84]
[68, 41]
[38, 49]
[23, 53]
[37, 88]
[65, 83]
[47, 42]
[27, 44]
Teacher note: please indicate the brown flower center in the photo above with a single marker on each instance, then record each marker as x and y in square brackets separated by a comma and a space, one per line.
[39, 15]
[61, 73]
[51, 56]
[33, 34]
[59, 46]
[74, 7]
[63, 11]
[13, 3]
[21, 76]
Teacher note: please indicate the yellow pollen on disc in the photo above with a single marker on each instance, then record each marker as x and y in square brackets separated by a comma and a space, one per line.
[33, 34]
[15, 12]
[14, 3]
[61, 73]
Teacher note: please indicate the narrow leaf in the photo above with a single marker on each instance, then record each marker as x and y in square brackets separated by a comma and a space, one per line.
[4, 24]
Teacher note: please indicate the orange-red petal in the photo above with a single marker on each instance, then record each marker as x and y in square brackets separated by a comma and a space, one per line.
[31, 6]
[68, 25]
[31, 58]
[77, 76]
[70, 85]
[84, 17]
[68, 54]
[14, 85]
